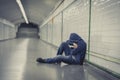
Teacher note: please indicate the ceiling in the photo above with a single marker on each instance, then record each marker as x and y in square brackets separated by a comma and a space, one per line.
[36, 10]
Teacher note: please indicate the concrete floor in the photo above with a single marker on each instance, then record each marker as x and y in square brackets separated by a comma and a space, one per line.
[17, 62]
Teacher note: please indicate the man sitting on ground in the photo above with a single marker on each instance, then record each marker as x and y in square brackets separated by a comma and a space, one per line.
[74, 49]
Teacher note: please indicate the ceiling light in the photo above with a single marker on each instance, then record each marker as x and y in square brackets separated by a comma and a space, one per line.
[22, 10]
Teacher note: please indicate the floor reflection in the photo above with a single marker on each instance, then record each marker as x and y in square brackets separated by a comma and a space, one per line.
[72, 72]
[66, 72]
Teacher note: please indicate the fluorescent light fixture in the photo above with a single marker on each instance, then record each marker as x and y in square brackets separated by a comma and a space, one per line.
[22, 10]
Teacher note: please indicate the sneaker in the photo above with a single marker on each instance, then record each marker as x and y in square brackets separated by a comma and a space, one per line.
[40, 60]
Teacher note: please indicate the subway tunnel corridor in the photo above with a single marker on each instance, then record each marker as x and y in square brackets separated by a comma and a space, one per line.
[35, 28]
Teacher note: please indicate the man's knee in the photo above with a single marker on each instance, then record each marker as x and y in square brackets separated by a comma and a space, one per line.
[59, 56]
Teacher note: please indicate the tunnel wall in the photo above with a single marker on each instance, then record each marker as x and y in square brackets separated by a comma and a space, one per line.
[96, 21]
[7, 30]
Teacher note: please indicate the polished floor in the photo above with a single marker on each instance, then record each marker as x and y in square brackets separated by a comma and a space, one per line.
[17, 62]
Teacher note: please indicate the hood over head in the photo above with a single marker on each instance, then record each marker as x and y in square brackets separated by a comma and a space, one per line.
[74, 38]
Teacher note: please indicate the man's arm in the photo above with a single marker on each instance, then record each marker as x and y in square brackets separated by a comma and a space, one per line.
[78, 47]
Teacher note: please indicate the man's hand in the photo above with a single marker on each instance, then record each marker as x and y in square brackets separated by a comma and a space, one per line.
[71, 46]
[75, 45]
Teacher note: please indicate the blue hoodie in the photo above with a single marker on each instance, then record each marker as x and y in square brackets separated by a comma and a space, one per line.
[80, 51]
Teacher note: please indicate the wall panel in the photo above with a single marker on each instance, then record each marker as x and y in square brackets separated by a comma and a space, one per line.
[7, 30]
[44, 33]
[105, 33]
[50, 31]
[76, 19]
[57, 24]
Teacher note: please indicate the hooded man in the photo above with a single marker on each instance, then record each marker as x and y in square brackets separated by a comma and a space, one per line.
[74, 49]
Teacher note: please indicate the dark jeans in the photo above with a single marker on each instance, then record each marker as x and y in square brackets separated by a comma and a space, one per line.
[68, 58]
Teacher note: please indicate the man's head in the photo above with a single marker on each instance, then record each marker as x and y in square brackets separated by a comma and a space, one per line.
[74, 38]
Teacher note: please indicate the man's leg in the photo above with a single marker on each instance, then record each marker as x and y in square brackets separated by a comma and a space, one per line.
[64, 47]
[58, 59]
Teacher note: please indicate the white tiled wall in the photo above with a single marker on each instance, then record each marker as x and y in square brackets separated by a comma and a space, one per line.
[44, 33]
[104, 29]
[105, 32]
[57, 24]
[50, 31]
[6, 31]
[75, 19]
